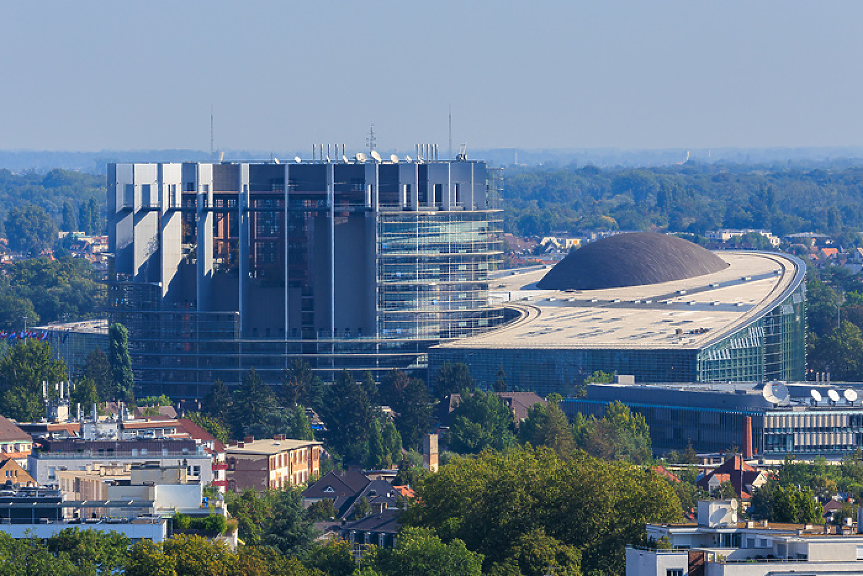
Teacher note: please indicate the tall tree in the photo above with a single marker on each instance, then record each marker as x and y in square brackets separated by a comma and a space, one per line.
[290, 530]
[30, 230]
[500, 380]
[453, 378]
[217, 401]
[23, 368]
[120, 361]
[348, 416]
[252, 405]
[548, 426]
[70, 220]
[410, 400]
[98, 369]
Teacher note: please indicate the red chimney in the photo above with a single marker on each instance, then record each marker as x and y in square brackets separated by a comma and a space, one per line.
[747, 437]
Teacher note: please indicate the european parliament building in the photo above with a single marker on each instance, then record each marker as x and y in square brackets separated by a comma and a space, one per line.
[649, 305]
[358, 264]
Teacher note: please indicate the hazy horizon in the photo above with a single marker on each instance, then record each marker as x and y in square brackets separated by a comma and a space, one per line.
[100, 75]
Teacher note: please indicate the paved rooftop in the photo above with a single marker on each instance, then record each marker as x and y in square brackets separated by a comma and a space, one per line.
[684, 314]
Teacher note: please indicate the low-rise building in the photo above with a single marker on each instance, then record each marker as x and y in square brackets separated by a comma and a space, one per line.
[42, 513]
[77, 454]
[719, 545]
[271, 463]
[15, 443]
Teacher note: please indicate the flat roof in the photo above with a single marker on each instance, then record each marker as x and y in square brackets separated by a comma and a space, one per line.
[269, 446]
[682, 314]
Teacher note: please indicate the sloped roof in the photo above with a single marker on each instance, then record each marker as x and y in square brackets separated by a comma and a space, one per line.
[733, 470]
[9, 432]
[386, 522]
[632, 259]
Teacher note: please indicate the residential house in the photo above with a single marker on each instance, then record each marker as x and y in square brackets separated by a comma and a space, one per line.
[378, 529]
[12, 473]
[347, 488]
[15, 443]
[743, 477]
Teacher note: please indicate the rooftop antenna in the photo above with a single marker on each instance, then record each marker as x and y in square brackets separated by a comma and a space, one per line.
[850, 395]
[376, 156]
[834, 395]
[212, 147]
[450, 131]
[371, 140]
[775, 392]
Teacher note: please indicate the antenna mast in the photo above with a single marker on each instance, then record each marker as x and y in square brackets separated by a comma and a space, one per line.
[212, 148]
[371, 141]
[450, 131]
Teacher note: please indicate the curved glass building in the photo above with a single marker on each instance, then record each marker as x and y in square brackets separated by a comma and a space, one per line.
[652, 306]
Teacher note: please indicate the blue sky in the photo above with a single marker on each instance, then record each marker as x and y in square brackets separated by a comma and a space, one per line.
[280, 74]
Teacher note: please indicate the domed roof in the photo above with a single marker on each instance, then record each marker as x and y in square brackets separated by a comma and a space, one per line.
[632, 259]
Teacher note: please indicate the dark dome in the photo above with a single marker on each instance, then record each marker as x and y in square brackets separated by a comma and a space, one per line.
[631, 259]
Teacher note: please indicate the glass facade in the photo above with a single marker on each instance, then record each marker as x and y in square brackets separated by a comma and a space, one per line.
[346, 265]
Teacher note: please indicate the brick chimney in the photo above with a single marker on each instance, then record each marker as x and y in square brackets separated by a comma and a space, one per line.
[747, 437]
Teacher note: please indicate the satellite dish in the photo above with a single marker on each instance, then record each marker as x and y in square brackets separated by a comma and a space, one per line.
[816, 395]
[276, 160]
[298, 160]
[775, 392]
[361, 157]
[376, 156]
[345, 158]
[834, 395]
[328, 159]
[394, 159]
[850, 395]
[408, 158]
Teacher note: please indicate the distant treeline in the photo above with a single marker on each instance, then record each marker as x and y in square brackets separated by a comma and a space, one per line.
[691, 197]
[73, 199]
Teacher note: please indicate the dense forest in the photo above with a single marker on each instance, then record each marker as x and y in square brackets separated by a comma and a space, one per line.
[70, 198]
[691, 198]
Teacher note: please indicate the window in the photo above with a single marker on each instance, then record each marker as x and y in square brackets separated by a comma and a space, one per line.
[674, 572]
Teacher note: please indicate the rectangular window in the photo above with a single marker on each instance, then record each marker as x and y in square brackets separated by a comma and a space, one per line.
[438, 194]
[674, 572]
[129, 196]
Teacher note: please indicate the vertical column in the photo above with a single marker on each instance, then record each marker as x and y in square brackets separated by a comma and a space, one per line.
[286, 232]
[447, 194]
[243, 241]
[331, 229]
[204, 229]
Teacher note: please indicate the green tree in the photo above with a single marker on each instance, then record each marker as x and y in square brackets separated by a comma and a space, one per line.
[376, 457]
[252, 404]
[500, 380]
[420, 552]
[211, 425]
[120, 362]
[599, 377]
[536, 554]
[16, 311]
[23, 368]
[548, 426]
[631, 433]
[480, 421]
[370, 387]
[300, 385]
[148, 559]
[84, 394]
[289, 529]
[333, 558]
[102, 552]
[596, 507]
[453, 378]
[252, 511]
[97, 369]
[217, 401]
[196, 556]
[70, 219]
[30, 230]
[392, 442]
[348, 416]
[410, 400]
